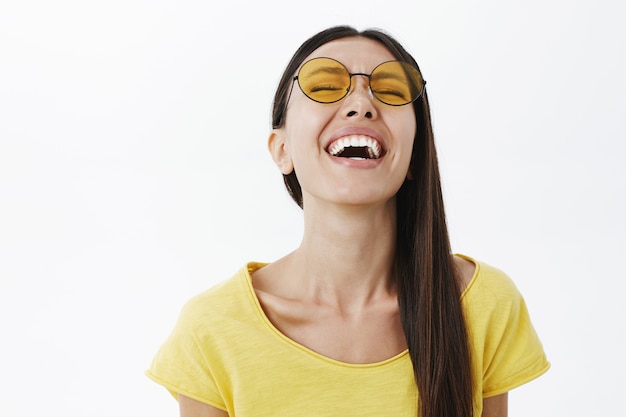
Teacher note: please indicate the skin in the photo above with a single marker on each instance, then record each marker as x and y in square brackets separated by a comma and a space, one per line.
[334, 294]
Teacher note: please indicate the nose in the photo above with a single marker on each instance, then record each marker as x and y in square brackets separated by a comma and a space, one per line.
[359, 102]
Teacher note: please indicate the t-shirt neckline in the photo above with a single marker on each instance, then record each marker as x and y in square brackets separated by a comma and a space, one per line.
[246, 274]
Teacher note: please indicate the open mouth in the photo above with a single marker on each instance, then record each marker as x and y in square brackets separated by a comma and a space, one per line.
[356, 147]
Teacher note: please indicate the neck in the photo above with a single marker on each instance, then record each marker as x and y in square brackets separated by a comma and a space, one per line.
[347, 253]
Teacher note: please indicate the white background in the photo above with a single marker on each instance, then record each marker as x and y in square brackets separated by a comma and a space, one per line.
[134, 174]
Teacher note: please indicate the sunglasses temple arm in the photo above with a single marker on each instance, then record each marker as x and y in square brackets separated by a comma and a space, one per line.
[290, 91]
[293, 81]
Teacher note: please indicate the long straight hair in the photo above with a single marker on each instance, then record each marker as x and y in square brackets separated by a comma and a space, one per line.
[429, 296]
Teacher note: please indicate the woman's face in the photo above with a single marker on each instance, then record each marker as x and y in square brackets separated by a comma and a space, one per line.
[314, 137]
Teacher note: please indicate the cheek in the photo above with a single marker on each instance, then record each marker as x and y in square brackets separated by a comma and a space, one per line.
[406, 131]
[302, 111]
[304, 125]
[405, 128]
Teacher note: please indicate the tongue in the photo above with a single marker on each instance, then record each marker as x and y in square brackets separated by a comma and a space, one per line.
[352, 152]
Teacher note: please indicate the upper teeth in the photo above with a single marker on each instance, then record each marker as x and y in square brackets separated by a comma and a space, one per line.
[373, 147]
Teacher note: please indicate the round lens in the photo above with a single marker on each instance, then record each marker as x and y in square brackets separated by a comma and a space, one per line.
[324, 80]
[396, 83]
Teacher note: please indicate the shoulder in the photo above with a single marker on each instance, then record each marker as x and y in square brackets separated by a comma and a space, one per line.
[465, 269]
[229, 298]
[191, 361]
[506, 349]
[491, 297]
[477, 277]
[496, 312]
[487, 280]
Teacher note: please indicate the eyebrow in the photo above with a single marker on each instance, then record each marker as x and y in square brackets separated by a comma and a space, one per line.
[393, 75]
[329, 69]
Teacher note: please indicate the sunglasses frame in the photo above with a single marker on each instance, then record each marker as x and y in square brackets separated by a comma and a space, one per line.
[369, 82]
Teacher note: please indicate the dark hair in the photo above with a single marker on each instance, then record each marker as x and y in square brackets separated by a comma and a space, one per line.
[429, 295]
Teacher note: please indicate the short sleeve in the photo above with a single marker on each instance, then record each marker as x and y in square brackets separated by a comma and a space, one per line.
[507, 349]
[180, 364]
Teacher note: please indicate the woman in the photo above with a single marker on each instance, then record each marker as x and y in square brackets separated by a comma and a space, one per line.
[372, 308]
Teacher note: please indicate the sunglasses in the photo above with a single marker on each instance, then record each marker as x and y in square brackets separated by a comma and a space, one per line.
[326, 80]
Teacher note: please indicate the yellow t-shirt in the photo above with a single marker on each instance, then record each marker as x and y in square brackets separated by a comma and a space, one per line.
[225, 352]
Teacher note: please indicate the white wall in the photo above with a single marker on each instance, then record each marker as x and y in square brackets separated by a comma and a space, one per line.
[133, 174]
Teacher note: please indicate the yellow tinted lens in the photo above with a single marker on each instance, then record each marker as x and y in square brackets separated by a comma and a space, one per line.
[396, 83]
[324, 80]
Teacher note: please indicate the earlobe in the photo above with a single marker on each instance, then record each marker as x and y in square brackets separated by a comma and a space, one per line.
[277, 145]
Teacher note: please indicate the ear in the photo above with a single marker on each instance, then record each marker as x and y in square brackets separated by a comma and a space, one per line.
[277, 145]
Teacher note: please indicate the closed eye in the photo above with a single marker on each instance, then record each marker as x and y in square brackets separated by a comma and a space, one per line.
[391, 92]
[324, 88]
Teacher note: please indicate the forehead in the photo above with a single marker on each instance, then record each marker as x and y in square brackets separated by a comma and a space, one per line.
[357, 54]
